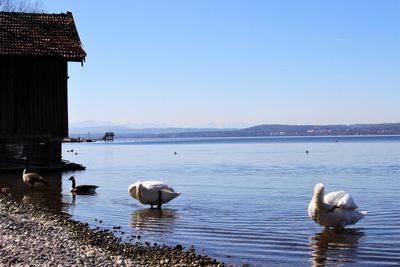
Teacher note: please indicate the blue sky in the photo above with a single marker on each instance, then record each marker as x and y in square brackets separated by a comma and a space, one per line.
[235, 63]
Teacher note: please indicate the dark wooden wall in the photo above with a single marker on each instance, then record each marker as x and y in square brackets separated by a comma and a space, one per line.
[33, 97]
[41, 152]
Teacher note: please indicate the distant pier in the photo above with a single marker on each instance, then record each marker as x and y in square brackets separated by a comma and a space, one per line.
[107, 137]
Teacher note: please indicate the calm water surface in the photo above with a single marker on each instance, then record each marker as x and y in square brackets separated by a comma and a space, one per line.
[244, 200]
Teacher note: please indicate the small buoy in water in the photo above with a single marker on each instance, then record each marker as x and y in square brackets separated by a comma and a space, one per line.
[307, 152]
[76, 153]
[175, 153]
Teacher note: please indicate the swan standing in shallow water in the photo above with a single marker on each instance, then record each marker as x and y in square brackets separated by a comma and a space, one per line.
[82, 189]
[336, 209]
[152, 193]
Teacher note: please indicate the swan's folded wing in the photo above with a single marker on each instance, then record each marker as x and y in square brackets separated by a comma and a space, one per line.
[156, 185]
[333, 198]
[340, 199]
[347, 202]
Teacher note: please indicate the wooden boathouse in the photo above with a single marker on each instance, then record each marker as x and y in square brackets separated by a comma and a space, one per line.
[34, 53]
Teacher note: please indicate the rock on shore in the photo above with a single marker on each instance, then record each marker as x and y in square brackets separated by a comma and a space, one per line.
[31, 236]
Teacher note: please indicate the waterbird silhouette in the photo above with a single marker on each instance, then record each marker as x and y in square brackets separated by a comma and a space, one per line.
[82, 189]
[32, 179]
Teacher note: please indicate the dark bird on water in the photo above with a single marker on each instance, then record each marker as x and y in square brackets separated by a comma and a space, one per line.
[82, 189]
[32, 179]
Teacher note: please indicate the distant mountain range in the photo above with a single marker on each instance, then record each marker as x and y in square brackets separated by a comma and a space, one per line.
[260, 130]
[126, 132]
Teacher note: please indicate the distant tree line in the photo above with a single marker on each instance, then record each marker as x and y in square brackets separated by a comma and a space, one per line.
[21, 6]
[298, 130]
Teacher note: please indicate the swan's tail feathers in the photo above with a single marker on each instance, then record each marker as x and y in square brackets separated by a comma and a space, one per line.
[171, 192]
[362, 214]
[357, 215]
[168, 195]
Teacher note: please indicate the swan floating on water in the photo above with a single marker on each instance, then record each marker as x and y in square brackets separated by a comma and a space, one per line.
[82, 189]
[336, 209]
[152, 192]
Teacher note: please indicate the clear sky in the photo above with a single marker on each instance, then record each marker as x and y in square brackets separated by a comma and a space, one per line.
[234, 63]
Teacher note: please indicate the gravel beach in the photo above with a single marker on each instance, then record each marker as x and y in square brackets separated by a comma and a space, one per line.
[32, 236]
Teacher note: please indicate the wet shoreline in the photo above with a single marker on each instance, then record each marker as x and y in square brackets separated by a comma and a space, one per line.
[34, 235]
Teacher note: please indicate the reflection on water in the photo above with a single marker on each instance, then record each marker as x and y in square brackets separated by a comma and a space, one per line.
[74, 194]
[334, 247]
[154, 220]
[35, 197]
[45, 196]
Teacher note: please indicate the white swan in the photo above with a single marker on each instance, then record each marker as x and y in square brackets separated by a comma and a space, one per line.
[152, 193]
[336, 209]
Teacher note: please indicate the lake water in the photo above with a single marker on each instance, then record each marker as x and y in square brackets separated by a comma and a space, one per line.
[244, 200]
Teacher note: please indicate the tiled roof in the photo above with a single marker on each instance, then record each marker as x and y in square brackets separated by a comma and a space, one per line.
[40, 35]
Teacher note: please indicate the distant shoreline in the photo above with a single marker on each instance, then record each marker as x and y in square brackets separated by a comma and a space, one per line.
[249, 139]
[272, 130]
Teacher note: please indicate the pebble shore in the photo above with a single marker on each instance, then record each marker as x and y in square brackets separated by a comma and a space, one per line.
[32, 236]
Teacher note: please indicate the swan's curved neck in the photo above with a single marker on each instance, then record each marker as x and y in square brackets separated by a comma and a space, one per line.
[318, 197]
